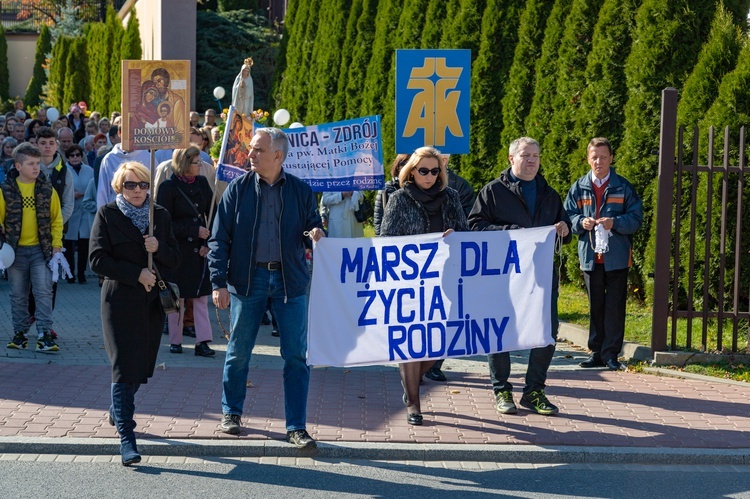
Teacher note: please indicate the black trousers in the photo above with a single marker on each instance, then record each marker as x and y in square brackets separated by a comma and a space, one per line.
[80, 246]
[608, 292]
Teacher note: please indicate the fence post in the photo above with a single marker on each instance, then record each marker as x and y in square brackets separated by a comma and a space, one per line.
[664, 206]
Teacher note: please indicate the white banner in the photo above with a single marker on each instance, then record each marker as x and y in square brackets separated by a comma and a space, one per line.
[400, 299]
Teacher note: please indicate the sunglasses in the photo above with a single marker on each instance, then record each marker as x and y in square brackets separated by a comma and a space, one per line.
[74, 155]
[132, 185]
[424, 171]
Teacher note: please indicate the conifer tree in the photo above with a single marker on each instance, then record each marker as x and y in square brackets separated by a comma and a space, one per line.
[435, 20]
[407, 36]
[98, 71]
[347, 50]
[326, 60]
[667, 38]
[605, 94]
[76, 87]
[718, 57]
[298, 87]
[731, 109]
[33, 95]
[489, 75]
[130, 48]
[545, 71]
[114, 26]
[57, 73]
[464, 25]
[361, 53]
[570, 84]
[284, 54]
[4, 74]
[519, 91]
[376, 81]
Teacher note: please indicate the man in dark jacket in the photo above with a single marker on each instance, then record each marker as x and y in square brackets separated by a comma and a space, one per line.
[520, 198]
[258, 255]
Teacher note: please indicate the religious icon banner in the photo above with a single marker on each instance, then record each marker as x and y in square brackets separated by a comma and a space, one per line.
[155, 97]
[427, 297]
[235, 147]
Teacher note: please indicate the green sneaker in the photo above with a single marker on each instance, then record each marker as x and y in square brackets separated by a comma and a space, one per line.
[537, 402]
[504, 403]
[19, 341]
[46, 343]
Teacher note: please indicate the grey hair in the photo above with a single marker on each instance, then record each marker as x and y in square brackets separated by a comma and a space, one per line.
[279, 141]
[516, 144]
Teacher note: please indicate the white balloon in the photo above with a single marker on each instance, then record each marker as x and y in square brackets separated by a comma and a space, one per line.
[7, 255]
[296, 124]
[52, 114]
[281, 117]
[219, 92]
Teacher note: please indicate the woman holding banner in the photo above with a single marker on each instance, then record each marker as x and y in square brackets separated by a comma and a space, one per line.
[423, 205]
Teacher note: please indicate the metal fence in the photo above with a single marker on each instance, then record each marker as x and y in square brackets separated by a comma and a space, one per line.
[30, 16]
[702, 266]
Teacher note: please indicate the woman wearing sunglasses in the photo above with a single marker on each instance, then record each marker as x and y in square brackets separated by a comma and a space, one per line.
[187, 196]
[79, 223]
[132, 316]
[423, 205]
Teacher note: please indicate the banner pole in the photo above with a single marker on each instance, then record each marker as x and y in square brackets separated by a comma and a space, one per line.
[151, 207]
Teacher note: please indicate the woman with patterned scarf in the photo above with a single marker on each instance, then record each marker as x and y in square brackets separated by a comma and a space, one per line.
[132, 316]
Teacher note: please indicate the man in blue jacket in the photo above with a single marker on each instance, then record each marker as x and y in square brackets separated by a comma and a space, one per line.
[603, 198]
[258, 255]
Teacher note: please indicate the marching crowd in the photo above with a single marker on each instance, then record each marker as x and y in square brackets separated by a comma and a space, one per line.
[70, 184]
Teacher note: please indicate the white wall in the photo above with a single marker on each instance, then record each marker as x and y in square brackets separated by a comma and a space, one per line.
[168, 30]
[21, 50]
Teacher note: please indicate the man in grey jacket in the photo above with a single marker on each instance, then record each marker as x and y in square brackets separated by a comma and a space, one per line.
[603, 198]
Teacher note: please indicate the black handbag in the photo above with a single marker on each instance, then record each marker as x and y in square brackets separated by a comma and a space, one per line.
[364, 211]
[169, 294]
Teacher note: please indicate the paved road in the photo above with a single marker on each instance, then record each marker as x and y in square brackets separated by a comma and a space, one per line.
[63, 476]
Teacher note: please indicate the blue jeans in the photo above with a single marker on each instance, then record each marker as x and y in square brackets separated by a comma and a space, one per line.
[246, 314]
[30, 269]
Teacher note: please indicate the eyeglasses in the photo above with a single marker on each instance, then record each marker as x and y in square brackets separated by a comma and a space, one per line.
[132, 185]
[424, 171]
[75, 155]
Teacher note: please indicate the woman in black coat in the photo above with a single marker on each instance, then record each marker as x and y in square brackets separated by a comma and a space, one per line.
[423, 205]
[132, 316]
[188, 197]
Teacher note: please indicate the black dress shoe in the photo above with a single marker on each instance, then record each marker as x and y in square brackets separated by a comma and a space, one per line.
[82, 280]
[175, 348]
[202, 350]
[414, 419]
[275, 332]
[592, 361]
[613, 365]
[435, 374]
[188, 331]
[71, 280]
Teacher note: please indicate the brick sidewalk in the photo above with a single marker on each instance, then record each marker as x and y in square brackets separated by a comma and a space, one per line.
[67, 395]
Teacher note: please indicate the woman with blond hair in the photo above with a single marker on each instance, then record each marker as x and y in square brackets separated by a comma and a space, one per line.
[424, 204]
[132, 316]
[187, 196]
